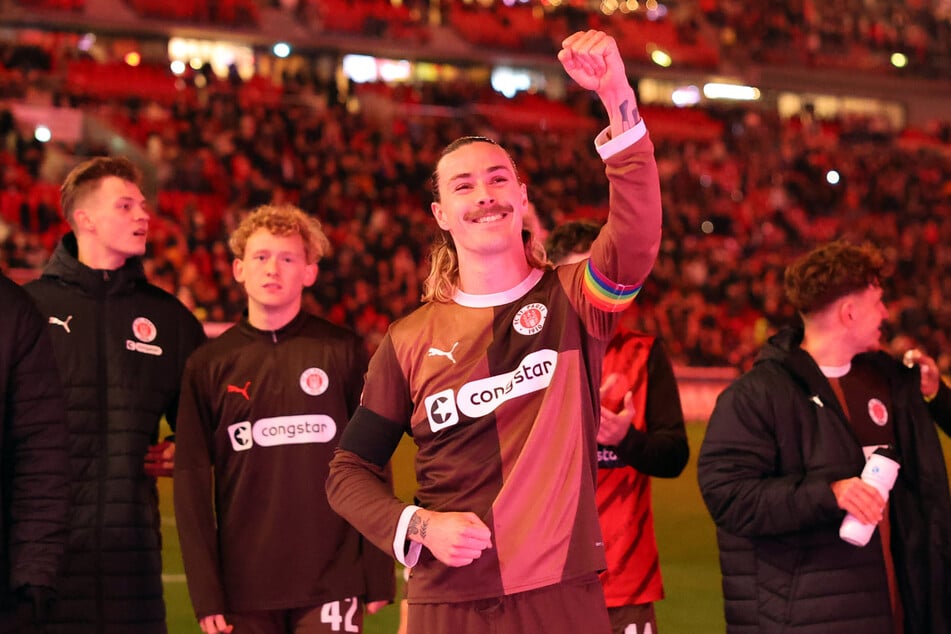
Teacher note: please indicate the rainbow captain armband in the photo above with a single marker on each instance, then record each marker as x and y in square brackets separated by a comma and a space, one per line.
[605, 294]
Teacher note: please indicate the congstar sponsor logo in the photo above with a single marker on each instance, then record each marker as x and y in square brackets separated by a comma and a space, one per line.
[441, 410]
[283, 430]
[484, 396]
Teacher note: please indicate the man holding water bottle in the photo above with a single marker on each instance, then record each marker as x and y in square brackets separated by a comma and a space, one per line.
[780, 468]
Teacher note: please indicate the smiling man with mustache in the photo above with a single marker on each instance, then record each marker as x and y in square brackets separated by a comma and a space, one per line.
[504, 535]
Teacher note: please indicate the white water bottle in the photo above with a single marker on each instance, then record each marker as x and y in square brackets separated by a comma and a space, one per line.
[880, 471]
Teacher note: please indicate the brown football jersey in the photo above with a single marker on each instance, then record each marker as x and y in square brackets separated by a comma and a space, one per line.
[500, 393]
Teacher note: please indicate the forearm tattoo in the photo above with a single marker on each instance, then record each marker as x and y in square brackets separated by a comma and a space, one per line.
[417, 527]
[629, 115]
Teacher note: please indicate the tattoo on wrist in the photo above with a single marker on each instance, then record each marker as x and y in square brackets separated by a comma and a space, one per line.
[629, 115]
[417, 527]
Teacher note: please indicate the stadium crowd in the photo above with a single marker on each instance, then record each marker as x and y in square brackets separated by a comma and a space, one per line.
[738, 204]
[858, 34]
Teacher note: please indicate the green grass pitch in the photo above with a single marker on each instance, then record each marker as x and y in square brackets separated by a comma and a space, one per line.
[685, 535]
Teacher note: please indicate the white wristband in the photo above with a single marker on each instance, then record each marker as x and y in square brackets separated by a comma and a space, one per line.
[406, 556]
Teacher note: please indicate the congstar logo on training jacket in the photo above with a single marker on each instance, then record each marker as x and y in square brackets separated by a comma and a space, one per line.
[484, 396]
[282, 430]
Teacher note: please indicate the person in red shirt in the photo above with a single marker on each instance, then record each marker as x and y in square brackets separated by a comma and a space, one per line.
[642, 435]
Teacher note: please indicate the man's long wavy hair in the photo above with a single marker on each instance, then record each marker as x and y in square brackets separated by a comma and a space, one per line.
[443, 280]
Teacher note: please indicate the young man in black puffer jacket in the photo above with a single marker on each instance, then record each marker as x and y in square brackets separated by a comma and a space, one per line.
[779, 468]
[120, 345]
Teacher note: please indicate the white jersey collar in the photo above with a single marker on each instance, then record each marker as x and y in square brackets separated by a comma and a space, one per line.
[502, 297]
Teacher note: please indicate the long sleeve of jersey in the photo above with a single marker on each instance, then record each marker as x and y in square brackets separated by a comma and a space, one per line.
[628, 244]
[661, 450]
[356, 484]
[626, 248]
[379, 574]
[194, 508]
[192, 337]
[357, 487]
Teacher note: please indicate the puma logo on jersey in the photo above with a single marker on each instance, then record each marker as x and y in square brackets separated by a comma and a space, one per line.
[243, 391]
[436, 352]
[56, 321]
